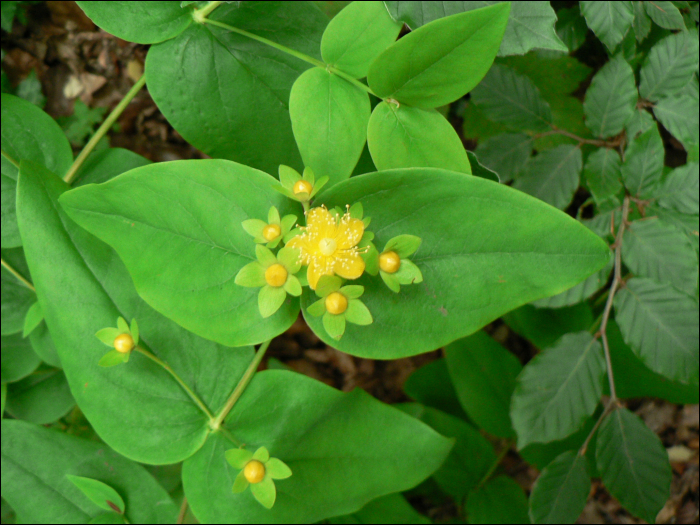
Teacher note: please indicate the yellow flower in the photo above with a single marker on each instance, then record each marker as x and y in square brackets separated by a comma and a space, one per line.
[328, 245]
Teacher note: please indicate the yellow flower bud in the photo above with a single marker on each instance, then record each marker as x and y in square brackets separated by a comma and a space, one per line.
[254, 471]
[271, 232]
[336, 303]
[124, 343]
[276, 275]
[302, 186]
[389, 262]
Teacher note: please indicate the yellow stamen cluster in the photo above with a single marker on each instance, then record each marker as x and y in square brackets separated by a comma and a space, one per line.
[336, 303]
[254, 471]
[124, 343]
[389, 262]
[276, 275]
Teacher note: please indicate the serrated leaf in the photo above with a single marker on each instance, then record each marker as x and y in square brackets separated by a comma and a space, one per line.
[571, 27]
[640, 122]
[611, 98]
[643, 165]
[679, 115]
[552, 176]
[660, 323]
[679, 190]
[602, 173]
[641, 23]
[610, 21]
[633, 464]
[664, 14]
[485, 505]
[505, 154]
[560, 493]
[558, 390]
[393, 508]
[554, 74]
[669, 66]
[543, 327]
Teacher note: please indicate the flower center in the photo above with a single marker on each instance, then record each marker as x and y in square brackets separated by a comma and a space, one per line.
[302, 186]
[271, 232]
[276, 275]
[336, 303]
[327, 246]
[389, 262]
[123, 343]
[254, 471]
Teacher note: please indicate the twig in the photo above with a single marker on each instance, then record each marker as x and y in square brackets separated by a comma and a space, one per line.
[595, 142]
[17, 275]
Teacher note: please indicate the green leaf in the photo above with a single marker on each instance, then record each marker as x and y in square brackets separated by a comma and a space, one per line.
[602, 173]
[112, 358]
[665, 14]
[138, 22]
[553, 175]
[404, 245]
[558, 390]
[43, 345]
[641, 23]
[18, 358]
[669, 66]
[679, 115]
[325, 446]
[505, 154]
[214, 197]
[37, 463]
[41, 398]
[431, 385]
[99, 493]
[100, 166]
[571, 27]
[561, 491]
[679, 190]
[650, 248]
[407, 137]
[17, 298]
[8, 16]
[578, 293]
[610, 21]
[643, 166]
[79, 126]
[27, 133]
[660, 324]
[438, 63]
[478, 170]
[4, 399]
[115, 395]
[334, 325]
[486, 504]
[108, 518]
[329, 118]
[483, 374]
[357, 35]
[611, 98]
[465, 224]
[270, 299]
[633, 464]
[223, 104]
[641, 121]
[471, 457]
[357, 313]
[388, 509]
[544, 326]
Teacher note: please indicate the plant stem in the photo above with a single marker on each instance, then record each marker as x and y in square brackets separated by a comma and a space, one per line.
[609, 408]
[203, 13]
[495, 464]
[177, 378]
[183, 511]
[595, 142]
[10, 159]
[17, 275]
[240, 387]
[102, 130]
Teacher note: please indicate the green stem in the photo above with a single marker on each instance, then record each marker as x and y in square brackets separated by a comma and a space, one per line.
[17, 275]
[177, 378]
[352, 80]
[183, 511]
[102, 130]
[10, 159]
[240, 387]
[203, 13]
[495, 464]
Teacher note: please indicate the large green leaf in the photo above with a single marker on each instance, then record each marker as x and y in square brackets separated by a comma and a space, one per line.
[679, 115]
[486, 504]
[651, 248]
[611, 98]
[602, 173]
[561, 491]
[530, 25]
[329, 118]
[190, 212]
[483, 374]
[357, 35]
[100, 166]
[406, 137]
[505, 154]
[633, 464]
[660, 323]
[227, 94]
[442, 61]
[18, 358]
[665, 14]
[479, 257]
[35, 462]
[578, 293]
[27, 133]
[571, 27]
[680, 190]
[544, 326]
[610, 21]
[41, 398]
[343, 449]
[644, 162]
[554, 74]
[389, 510]
[641, 23]
[140, 22]
[508, 97]
[17, 298]
[669, 66]
[553, 175]
[431, 385]
[87, 292]
[558, 390]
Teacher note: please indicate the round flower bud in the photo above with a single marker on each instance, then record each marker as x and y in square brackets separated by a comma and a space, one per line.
[254, 471]
[276, 275]
[271, 232]
[302, 186]
[124, 343]
[389, 262]
[336, 303]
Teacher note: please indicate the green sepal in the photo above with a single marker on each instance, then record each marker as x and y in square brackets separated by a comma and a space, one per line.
[134, 331]
[391, 281]
[108, 335]
[291, 234]
[270, 299]
[240, 483]
[352, 291]
[284, 191]
[404, 245]
[320, 183]
[126, 356]
[32, 319]
[408, 273]
[254, 227]
[99, 493]
[303, 279]
[264, 492]
[277, 469]
[252, 275]
[273, 243]
[366, 221]
[371, 258]
[368, 236]
[273, 216]
[288, 177]
[238, 457]
[356, 211]
[289, 257]
[334, 325]
[287, 223]
[262, 455]
[265, 256]
[318, 308]
[358, 313]
[309, 175]
[292, 286]
[328, 284]
[112, 358]
[122, 325]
